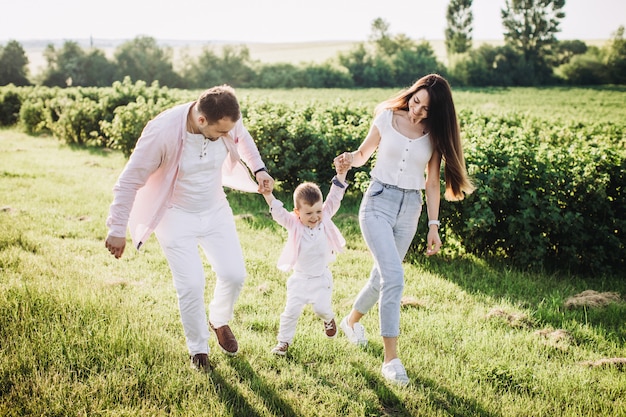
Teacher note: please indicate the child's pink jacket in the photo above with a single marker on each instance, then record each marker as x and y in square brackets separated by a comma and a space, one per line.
[295, 228]
[143, 190]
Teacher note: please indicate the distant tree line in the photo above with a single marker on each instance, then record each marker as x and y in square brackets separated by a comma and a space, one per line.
[530, 56]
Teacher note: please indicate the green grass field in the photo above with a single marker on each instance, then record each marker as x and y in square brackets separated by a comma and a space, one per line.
[565, 104]
[84, 334]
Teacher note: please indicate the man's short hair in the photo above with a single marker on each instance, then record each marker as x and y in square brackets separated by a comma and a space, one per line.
[217, 103]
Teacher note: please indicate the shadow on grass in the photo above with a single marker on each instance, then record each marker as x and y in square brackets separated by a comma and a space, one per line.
[93, 149]
[389, 402]
[439, 397]
[236, 401]
[447, 401]
[543, 293]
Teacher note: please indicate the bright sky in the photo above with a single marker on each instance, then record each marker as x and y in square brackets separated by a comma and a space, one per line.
[275, 20]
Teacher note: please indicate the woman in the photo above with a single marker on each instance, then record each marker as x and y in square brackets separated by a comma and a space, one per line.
[413, 132]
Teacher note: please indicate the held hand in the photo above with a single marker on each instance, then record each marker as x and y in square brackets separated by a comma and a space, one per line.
[433, 241]
[340, 170]
[343, 162]
[115, 245]
[265, 181]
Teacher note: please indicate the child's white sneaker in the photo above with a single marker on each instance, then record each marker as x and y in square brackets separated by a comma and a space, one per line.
[355, 334]
[281, 349]
[394, 372]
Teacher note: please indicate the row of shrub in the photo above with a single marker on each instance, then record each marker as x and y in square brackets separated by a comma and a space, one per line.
[550, 194]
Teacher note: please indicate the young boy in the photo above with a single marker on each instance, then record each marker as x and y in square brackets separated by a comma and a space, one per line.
[312, 242]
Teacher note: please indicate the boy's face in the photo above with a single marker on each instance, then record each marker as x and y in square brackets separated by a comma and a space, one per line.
[310, 216]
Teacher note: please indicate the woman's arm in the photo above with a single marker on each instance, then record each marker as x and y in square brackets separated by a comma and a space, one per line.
[433, 198]
[363, 153]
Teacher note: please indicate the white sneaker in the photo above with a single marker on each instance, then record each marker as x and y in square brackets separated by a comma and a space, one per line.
[394, 372]
[281, 349]
[355, 334]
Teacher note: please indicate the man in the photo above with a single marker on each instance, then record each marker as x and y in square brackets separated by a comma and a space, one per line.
[173, 185]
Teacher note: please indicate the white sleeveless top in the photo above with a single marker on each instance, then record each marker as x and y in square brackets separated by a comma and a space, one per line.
[400, 161]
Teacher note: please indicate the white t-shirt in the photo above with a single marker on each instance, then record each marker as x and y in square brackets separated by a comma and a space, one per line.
[401, 161]
[199, 181]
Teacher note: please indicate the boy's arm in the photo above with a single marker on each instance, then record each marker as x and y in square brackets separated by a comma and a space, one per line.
[342, 171]
[337, 190]
[269, 197]
[341, 176]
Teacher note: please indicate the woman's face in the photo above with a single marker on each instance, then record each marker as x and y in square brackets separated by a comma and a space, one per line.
[418, 105]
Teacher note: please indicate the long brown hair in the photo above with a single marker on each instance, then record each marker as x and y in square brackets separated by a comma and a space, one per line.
[443, 127]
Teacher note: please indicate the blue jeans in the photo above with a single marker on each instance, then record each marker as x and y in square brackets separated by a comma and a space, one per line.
[388, 217]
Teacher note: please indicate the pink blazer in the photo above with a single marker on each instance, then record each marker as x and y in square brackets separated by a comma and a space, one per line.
[295, 228]
[143, 190]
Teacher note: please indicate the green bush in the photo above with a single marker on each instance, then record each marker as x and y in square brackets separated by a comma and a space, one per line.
[10, 102]
[585, 69]
[78, 120]
[33, 116]
[128, 122]
[36, 115]
[550, 193]
[76, 115]
[543, 199]
[299, 144]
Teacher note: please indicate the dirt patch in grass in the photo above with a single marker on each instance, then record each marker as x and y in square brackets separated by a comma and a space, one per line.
[559, 339]
[517, 320]
[592, 299]
[408, 301]
[619, 363]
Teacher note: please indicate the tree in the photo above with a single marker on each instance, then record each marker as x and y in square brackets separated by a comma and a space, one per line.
[326, 75]
[278, 75]
[530, 28]
[64, 66]
[389, 61]
[585, 69]
[203, 71]
[355, 61]
[459, 30]
[13, 64]
[616, 57]
[233, 67]
[237, 64]
[564, 51]
[367, 69]
[411, 64]
[72, 66]
[143, 59]
[381, 38]
[98, 70]
[492, 66]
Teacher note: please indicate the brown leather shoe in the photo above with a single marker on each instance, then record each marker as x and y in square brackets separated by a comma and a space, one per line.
[226, 339]
[200, 362]
[330, 328]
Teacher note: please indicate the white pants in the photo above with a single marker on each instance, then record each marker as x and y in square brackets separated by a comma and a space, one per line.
[179, 234]
[303, 290]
